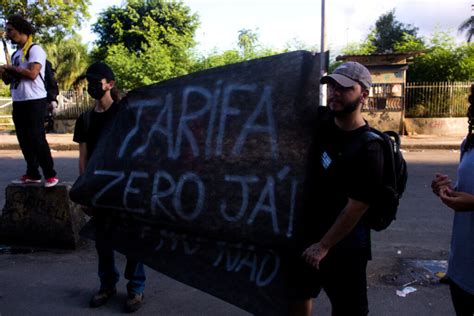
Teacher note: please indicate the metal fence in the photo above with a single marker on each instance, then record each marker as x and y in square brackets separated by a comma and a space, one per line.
[5, 106]
[72, 103]
[6, 121]
[436, 99]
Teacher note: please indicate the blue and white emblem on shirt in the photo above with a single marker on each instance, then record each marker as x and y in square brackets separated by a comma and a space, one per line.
[325, 160]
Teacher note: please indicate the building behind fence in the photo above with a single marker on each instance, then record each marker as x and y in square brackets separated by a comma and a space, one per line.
[385, 97]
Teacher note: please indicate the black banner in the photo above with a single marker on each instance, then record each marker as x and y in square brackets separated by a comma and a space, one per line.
[213, 161]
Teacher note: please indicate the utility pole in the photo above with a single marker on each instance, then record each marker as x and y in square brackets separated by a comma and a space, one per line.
[323, 49]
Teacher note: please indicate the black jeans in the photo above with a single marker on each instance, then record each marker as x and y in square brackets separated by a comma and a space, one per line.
[463, 301]
[28, 117]
[342, 276]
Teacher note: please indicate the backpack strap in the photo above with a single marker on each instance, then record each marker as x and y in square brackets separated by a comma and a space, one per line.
[371, 136]
[361, 142]
[390, 142]
[27, 56]
[14, 53]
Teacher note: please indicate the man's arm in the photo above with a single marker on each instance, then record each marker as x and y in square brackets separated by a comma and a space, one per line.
[31, 72]
[344, 224]
[82, 158]
[364, 181]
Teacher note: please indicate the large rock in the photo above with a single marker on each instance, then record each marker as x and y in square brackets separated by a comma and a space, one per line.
[37, 216]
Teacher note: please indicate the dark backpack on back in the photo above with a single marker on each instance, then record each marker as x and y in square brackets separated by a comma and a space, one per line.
[383, 210]
[49, 80]
[50, 83]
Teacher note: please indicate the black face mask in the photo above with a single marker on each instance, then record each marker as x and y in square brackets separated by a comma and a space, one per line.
[95, 90]
[348, 108]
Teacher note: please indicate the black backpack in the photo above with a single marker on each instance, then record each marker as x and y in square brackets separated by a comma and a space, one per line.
[49, 80]
[383, 210]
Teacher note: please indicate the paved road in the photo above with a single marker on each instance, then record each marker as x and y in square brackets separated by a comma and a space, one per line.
[54, 283]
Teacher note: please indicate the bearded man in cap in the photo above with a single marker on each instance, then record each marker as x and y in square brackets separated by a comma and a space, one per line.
[341, 184]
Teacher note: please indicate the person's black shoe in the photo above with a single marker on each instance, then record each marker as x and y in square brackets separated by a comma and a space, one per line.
[134, 302]
[101, 297]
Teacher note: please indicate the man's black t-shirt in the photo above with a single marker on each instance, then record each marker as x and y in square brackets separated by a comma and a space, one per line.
[97, 121]
[335, 173]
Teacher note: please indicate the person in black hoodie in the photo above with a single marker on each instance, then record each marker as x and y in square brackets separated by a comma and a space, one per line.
[89, 126]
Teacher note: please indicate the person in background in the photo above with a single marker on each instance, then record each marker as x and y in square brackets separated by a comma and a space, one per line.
[339, 189]
[460, 199]
[88, 129]
[29, 101]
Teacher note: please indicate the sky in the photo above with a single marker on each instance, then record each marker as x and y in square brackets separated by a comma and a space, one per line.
[278, 22]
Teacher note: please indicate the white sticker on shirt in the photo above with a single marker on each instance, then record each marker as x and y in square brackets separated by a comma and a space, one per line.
[325, 160]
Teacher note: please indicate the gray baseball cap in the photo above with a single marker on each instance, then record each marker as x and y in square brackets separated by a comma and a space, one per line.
[348, 74]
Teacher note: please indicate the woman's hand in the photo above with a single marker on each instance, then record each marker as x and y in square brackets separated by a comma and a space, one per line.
[440, 182]
[458, 201]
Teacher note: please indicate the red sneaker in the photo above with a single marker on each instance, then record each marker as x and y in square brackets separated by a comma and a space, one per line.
[25, 180]
[51, 182]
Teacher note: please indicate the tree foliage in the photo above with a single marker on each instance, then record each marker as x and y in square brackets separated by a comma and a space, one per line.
[249, 47]
[443, 60]
[295, 44]
[409, 43]
[216, 59]
[146, 41]
[364, 48]
[52, 19]
[4, 89]
[468, 27]
[439, 57]
[248, 42]
[69, 58]
[388, 31]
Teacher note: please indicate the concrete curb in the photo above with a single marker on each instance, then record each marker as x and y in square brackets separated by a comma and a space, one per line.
[66, 147]
[430, 147]
[58, 147]
[63, 142]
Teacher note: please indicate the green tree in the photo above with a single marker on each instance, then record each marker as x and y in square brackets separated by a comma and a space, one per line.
[439, 59]
[468, 27]
[216, 59]
[295, 44]
[409, 43]
[51, 18]
[249, 47]
[365, 48]
[443, 60]
[389, 31]
[69, 58]
[248, 42]
[4, 89]
[146, 41]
